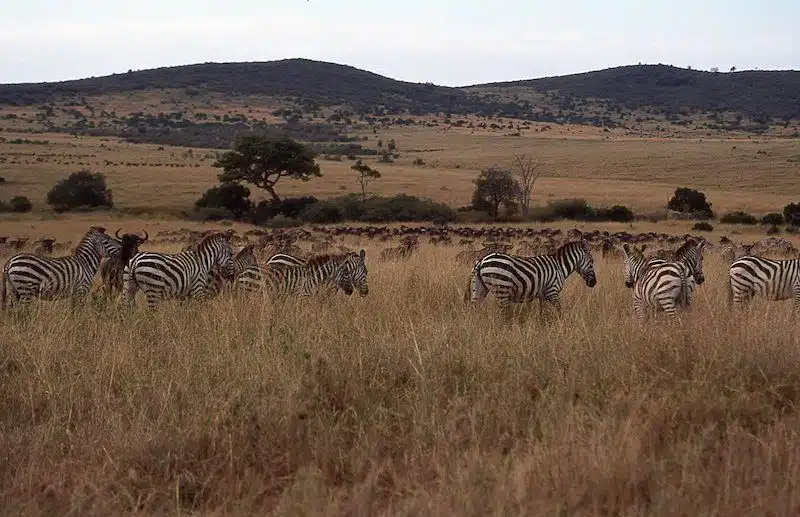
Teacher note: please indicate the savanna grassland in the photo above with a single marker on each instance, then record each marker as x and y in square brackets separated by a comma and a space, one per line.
[407, 401]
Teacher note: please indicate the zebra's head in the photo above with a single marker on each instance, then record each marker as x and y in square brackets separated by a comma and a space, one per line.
[352, 274]
[581, 255]
[97, 241]
[633, 263]
[691, 254]
[217, 247]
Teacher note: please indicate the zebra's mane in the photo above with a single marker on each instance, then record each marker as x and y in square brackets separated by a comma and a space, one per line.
[684, 249]
[244, 251]
[207, 239]
[564, 248]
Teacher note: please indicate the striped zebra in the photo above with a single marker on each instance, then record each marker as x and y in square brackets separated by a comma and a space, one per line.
[657, 283]
[178, 275]
[243, 259]
[119, 251]
[27, 276]
[772, 279]
[512, 278]
[321, 274]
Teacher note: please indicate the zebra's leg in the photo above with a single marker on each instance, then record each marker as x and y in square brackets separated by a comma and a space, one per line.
[796, 290]
[639, 308]
[129, 288]
[153, 299]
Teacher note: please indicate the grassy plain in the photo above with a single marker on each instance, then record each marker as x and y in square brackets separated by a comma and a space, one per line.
[406, 402]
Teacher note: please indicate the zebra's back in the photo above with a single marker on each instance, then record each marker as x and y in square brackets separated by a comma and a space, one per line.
[46, 277]
[520, 279]
[663, 285]
[170, 274]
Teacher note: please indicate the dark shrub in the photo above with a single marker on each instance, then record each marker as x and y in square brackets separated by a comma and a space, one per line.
[703, 226]
[791, 213]
[20, 204]
[405, 208]
[293, 206]
[4, 207]
[80, 189]
[211, 213]
[233, 197]
[576, 209]
[774, 218]
[617, 213]
[773, 230]
[687, 200]
[738, 218]
[322, 212]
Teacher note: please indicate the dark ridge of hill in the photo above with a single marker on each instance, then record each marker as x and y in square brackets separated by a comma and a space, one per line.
[309, 82]
[757, 94]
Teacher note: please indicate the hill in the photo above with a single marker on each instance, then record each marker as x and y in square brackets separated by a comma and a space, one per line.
[210, 104]
[760, 95]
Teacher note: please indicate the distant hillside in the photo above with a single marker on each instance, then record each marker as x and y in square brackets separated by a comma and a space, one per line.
[626, 96]
[756, 94]
[308, 82]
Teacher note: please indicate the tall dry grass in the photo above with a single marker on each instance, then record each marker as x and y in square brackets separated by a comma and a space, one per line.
[406, 402]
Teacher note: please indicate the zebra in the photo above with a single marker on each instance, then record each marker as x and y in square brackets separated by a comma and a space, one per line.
[243, 259]
[773, 279]
[178, 275]
[321, 274]
[512, 278]
[661, 284]
[27, 275]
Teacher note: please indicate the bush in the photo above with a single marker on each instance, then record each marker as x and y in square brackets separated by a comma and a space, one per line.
[4, 207]
[775, 218]
[80, 189]
[229, 196]
[687, 200]
[405, 208]
[322, 212]
[702, 226]
[616, 213]
[576, 209]
[773, 230]
[211, 213]
[791, 213]
[20, 204]
[738, 218]
[293, 206]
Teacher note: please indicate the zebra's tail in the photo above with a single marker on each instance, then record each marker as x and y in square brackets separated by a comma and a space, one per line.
[730, 291]
[477, 289]
[683, 299]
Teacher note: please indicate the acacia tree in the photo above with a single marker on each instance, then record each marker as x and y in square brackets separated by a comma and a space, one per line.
[262, 161]
[365, 175]
[527, 171]
[495, 186]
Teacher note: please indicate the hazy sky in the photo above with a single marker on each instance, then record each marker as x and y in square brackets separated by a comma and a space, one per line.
[444, 41]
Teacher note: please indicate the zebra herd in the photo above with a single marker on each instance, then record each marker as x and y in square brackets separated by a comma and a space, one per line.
[210, 266]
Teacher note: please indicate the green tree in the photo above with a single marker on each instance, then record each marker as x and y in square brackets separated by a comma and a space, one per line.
[80, 189]
[493, 187]
[365, 175]
[262, 161]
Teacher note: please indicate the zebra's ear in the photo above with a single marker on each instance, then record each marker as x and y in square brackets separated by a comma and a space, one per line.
[362, 254]
[626, 248]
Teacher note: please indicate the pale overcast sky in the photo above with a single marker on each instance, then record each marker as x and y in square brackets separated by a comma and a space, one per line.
[444, 41]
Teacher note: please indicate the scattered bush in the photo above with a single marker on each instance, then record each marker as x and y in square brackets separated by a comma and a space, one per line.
[322, 212]
[617, 213]
[738, 218]
[773, 230]
[81, 189]
[774, 218]
[791, 213]
[20, 204]
[690, 201]
[211, 213]
[577, 209]
[229, 196]
[702, 226]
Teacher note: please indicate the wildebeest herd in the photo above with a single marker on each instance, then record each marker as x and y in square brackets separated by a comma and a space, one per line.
[514, 264]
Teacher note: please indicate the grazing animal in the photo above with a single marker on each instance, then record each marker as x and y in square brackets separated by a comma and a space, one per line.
[27, 275]
[243, 259]
[657, 283]
[118, 254]
[178, 275]
[321, 274]
[773, 279]
[44, 246]
[512, 278]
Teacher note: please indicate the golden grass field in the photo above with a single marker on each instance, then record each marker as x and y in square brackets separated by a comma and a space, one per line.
[407, 402]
